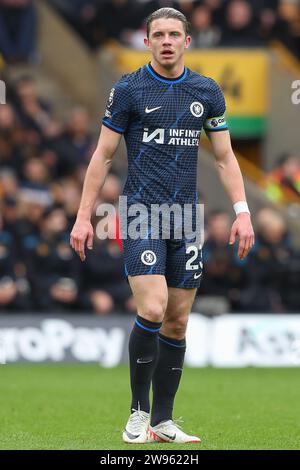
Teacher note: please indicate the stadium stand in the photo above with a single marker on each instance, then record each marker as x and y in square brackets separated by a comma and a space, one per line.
[214, 22]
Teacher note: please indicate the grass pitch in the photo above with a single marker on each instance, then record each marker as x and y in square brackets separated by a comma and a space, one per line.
[86, 407]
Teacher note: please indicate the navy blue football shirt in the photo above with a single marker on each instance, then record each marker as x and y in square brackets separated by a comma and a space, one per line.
[161, 120]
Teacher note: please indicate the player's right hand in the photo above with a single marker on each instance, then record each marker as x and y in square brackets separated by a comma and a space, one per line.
[82, 232]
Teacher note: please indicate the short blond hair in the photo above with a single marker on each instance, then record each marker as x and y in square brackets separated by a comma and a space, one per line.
[168, 13]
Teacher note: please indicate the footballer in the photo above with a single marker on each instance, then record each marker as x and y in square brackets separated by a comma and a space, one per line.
[161, 109]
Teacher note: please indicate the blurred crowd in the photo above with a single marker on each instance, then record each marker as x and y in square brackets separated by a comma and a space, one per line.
[42, 165]
[214, 23]
[268, 280]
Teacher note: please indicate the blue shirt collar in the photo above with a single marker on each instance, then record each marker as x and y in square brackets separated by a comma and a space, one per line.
[162, 79]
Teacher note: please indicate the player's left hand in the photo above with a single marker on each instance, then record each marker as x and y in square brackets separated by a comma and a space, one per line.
[242, 228]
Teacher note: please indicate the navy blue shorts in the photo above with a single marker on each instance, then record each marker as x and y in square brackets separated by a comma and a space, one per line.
[180, 261]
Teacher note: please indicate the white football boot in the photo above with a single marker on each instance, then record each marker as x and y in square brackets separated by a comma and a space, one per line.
[137, 427]
[168, 431]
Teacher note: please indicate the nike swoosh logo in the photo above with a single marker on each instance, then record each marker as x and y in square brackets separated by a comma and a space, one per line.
[131, 436]
[144, 361]
[197, 275]
[147, 110]
[169, 437]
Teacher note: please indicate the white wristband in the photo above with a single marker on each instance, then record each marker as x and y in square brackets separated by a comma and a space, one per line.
[241, 206]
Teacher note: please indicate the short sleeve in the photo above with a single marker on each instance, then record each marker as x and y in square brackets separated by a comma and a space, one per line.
[216, 120]
[117, 112]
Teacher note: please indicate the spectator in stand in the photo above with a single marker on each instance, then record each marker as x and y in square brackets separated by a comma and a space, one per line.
[31, 208]
[204, 34]
[285, 176]
[222, 274]
[8, 206]
[35, 175]
[13, 295]
[274, 26]
[74, 146]
[216, 8]
[240, 29]
[8, 182]
[35, 113]
[289, 282]
[10, 139]
[17, 30]
[271, 252]
[10, 216]
[52, 268]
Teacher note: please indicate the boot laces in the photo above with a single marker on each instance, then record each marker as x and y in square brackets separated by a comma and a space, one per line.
[138, 419]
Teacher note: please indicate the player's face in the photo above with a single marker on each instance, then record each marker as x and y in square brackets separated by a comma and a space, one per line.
[167, 41]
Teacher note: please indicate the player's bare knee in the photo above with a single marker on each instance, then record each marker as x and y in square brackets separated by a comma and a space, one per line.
[181, 309]
[175, 327]
[153, 311]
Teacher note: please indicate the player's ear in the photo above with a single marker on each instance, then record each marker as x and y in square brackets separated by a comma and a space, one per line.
[188, 40]
[146, 42]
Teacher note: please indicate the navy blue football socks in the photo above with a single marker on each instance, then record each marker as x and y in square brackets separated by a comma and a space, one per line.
[166, 377]
[143, 352]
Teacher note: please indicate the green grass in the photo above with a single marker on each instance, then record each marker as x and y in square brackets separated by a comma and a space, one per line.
[86, 407]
